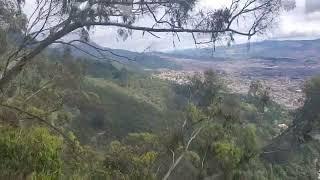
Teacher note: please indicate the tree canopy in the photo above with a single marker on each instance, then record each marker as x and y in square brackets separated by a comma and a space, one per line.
[54, 19]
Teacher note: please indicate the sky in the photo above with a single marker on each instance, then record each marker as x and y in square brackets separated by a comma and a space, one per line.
[301, 23]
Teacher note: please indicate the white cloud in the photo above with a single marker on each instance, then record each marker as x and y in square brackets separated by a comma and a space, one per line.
[299, 23]
[312, 6]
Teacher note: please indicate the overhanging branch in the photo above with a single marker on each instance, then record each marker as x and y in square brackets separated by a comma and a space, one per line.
[159, 30]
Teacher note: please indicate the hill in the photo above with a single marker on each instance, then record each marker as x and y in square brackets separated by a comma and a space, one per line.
[291, 49]
[134, 60]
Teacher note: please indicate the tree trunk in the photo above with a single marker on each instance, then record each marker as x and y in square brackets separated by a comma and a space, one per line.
[13, 71]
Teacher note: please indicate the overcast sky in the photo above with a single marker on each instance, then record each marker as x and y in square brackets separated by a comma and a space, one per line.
[301, 23]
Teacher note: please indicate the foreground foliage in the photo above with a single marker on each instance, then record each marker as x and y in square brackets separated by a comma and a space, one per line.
[61, 119]
[27, 151]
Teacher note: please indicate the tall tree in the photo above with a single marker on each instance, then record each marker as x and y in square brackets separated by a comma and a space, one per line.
[54, 19]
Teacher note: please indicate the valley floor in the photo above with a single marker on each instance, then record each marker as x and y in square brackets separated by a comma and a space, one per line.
[286, 85]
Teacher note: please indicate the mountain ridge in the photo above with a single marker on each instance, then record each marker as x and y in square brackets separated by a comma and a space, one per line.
[136, 60]
[295, 49]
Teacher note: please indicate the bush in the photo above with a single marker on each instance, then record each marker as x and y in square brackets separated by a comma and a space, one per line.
[27, 151]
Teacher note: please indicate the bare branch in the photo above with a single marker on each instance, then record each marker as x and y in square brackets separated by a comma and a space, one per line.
[102, 50]
[175, 162]
[98, 50]
[178, 17]
[46, 85]
[180, 30]
[40, 120]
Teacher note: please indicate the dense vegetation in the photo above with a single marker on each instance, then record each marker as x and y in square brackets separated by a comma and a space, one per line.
[66, 117]
[71, 117]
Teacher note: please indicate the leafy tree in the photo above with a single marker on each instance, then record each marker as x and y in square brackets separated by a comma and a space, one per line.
[123, 77]
[228, 155]
[130, 162]
[62, 17]
[260, 95]
[306, 123]
[202, 90]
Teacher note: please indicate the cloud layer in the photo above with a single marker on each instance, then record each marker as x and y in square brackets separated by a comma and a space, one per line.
[303, 22]
[312, 6]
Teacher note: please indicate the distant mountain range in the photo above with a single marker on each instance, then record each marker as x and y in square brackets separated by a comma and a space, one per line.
[133, 59]
[307, 51]
[290, 49]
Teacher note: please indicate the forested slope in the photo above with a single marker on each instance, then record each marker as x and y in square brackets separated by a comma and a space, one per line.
[68, 117]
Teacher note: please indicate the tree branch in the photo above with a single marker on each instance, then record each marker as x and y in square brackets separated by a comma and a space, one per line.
[180, 30]
[178, 160]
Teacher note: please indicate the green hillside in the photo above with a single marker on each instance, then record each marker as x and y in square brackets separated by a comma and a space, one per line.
[123, 110]
[70, 117]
